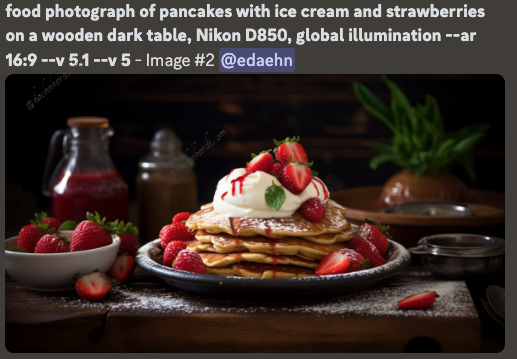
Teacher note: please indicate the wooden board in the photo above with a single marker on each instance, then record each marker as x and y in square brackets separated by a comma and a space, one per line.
[148, 316]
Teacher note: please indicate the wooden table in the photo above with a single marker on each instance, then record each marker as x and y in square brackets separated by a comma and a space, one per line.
[148, 316]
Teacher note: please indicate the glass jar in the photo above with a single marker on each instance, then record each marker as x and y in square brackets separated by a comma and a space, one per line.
[166, 185]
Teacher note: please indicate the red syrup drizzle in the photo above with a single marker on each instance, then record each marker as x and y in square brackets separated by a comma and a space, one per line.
[224, 195]
[317, 190]
[229, 174]
[268, 230]
[322, 186]
[239, 179]
[274, 260]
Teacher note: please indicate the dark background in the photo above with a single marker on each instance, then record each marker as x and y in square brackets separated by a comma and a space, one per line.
[251, 109]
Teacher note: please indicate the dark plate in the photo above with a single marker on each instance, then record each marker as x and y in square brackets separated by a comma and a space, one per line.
[149, 258]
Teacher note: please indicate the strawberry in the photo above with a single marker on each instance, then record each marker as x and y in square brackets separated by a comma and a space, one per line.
[357, 261]
[171, 252]
[31, 234]
[174, 232]
[92, 233]
[313, 209]
[52, 243]
[261, 162]
[122, 268]
[295, 176]
[376, 234]
[277, 169]
[333, 263]
[52, 222]
[290, 147]
[92, 286]
[418, 301]
[367, 250]
[128, 242]
[180, 217]
[189, 261]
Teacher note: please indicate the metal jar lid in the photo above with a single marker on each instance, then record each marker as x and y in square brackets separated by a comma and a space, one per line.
[430, 208]
[459, 245]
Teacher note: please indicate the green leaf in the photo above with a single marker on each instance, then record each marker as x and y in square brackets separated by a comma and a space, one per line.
[314, 173]
[67, 226]
[376, 161]
[374, 105]
[19, 250]
[467, 143]
[275, 196]
[404, 103]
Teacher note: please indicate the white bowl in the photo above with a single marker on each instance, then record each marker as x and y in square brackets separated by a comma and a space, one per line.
[50, 272]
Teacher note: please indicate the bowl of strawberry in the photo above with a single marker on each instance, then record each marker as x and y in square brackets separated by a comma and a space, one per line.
[47, 254]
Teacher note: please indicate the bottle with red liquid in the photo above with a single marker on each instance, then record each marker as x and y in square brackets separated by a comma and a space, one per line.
[85, 180]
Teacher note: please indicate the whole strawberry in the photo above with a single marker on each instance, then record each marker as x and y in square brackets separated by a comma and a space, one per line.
[30, 235]
[313, 209]
[357, 261]
[52, 243]
[277, 170]
[295, 176]
[421, 300]
[44, 219]
[92, 286]
[290, 147]
[262, 162]
[171, 252]
[92, 233]
[376, 234]
[128, 242]
[122, 268]
[174, 232]
[180, 217]
[367, 250]
[189, 261]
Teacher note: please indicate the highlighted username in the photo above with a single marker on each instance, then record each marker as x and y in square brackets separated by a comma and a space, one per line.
[256, 60]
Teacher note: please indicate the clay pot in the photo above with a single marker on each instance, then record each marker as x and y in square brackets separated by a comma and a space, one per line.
[404, 186]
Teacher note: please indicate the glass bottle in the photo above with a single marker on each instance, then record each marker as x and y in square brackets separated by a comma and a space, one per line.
[166, 185]
[87, 180]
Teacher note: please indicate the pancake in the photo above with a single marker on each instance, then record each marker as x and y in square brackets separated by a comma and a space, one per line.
[222, 260]
[258, 270]
[225, 243]
[294, 226]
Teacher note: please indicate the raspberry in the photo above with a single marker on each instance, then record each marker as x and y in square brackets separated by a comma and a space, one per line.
[171, 252]
[189, 261]
[174, 232]
[180, 217]
[313, 209]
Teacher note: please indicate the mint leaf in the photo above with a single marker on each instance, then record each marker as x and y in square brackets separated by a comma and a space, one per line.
[275, 196]
[21, 250]
[67, 226]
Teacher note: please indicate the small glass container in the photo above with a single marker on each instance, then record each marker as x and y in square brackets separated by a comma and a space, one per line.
[166, 185]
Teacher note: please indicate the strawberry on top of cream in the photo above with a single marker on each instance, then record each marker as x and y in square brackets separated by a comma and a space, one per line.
[242, 194]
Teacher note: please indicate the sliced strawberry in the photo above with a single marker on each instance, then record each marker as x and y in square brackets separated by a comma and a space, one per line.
[92, 286]
[367, 250]
[313, 209]
[288, 147]
[333, 263]
[262, 162]
[123, 268]
[296, 176]
[421, 300]
[357, 261]
[376, 234]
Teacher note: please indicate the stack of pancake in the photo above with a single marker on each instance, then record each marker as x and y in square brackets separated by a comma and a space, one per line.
[267, 247]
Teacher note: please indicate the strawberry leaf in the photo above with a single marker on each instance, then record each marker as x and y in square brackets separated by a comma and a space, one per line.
[67, 226]
[19, 250]
[275, 196]
[287, 139]
[128, 228]
[314, 173]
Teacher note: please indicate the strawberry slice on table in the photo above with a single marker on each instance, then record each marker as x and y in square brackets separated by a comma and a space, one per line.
[52, 243]
[376, 234]
[295, 176]
[313, 209]
[92, 233]
[367, 250]
[92, 286]
[189, 261]
[421, 300]
[180, 217]
[44, 219]
[357, 261]
[333, 263]
[174, 232]
[128, 242]
[122, 268]
[261, 162]
[288, 147]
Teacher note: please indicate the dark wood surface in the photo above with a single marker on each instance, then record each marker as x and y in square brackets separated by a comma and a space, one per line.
[129, 321]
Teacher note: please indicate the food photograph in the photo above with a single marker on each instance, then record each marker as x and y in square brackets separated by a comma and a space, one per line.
[290, 213]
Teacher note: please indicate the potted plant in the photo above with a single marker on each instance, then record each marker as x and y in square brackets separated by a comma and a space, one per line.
[421, 147]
